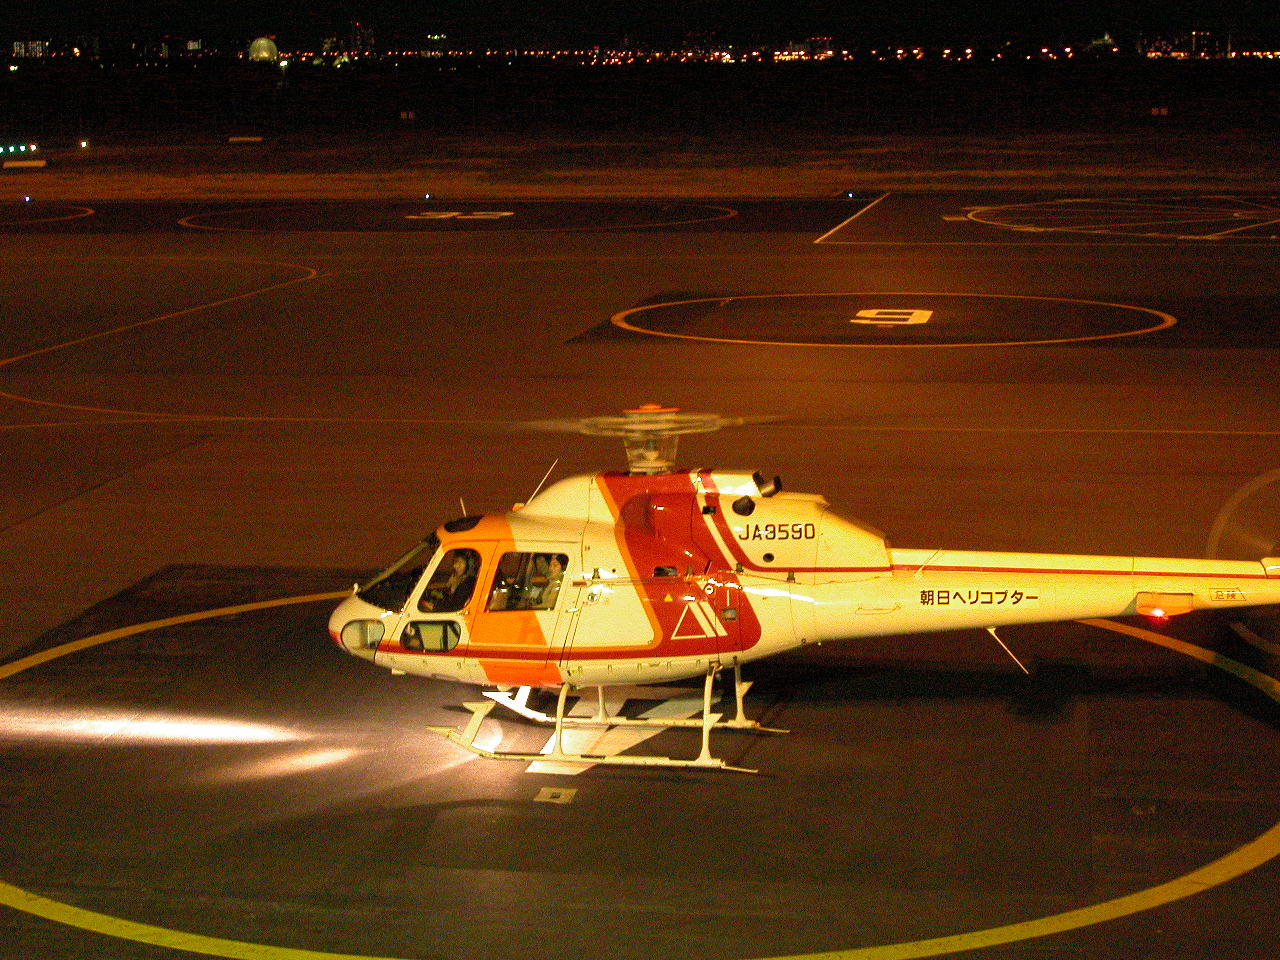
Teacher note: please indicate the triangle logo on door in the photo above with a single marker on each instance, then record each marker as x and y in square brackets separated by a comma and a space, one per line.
[698, 620]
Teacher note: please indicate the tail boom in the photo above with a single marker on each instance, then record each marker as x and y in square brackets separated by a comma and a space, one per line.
[930, 591]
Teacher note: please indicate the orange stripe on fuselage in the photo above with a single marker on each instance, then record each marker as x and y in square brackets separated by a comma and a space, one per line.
[521, 673]
[490, 629]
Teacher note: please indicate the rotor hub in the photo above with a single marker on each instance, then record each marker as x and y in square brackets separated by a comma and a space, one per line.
[650, 433]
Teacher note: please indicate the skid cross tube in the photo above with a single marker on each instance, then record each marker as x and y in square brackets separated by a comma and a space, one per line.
[518, 702]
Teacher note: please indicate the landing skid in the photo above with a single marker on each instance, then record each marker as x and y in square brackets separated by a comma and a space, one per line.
[518, 702]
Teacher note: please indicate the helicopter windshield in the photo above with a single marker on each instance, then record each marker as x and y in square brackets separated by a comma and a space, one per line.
[391, 588]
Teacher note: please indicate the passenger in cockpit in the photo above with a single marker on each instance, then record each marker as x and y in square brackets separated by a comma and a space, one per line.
[543, 585]
[555, 573]
[537, 581]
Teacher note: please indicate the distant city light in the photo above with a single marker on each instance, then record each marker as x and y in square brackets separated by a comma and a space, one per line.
[350, 45]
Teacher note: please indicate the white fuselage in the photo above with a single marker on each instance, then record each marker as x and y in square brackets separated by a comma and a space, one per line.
[670, 576]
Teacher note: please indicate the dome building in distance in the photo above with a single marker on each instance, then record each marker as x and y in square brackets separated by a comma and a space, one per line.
[264, 50]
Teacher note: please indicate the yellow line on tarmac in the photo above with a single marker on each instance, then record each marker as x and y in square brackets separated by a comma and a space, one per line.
[1238, 861]
[157, 936]
[44, 656]
[1233, 864]
[1251, 638]
[64, 913]
[309, 273]
[622, 321]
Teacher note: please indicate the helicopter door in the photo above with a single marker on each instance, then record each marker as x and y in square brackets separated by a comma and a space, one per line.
[571, 599]
[725, 602]
[521, 616]
[431, 638]
[702, 619]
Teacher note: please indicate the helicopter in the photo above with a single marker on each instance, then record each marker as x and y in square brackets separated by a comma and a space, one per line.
[657, 574]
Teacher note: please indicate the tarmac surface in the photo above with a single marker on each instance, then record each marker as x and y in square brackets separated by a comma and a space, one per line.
[812, 158]
[212, 405]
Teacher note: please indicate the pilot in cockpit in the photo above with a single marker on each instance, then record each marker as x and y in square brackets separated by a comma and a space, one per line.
[452, 583]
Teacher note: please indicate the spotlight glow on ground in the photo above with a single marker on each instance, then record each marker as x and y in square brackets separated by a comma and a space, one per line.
[128, 727]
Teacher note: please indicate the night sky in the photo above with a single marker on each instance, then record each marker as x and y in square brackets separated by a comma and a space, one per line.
[573, 22]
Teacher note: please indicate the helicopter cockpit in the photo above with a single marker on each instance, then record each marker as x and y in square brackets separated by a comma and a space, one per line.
[390, 589]
[452, 582]
[414, 592]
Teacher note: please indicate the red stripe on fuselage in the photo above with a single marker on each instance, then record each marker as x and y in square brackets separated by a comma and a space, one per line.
[656, 517]
[1077, 571]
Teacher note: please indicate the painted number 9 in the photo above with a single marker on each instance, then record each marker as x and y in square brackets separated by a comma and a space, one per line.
[459, 215]
[892, 317]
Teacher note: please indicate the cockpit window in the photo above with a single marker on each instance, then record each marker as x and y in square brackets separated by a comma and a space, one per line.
[431, 636]
[452, 583]
[391, 588]
[528, 581]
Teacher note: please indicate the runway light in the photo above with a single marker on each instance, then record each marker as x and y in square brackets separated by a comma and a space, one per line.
[26, 199]
[426, 196]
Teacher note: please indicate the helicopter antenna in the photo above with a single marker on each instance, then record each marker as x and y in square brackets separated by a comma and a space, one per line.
[992, 631]
[544, 478]
[650, 433]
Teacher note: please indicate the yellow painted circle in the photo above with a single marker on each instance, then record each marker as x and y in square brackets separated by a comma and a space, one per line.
[1158, 321]
[1168, 218]
[72, 213]
[717, 213]
[1237, 862]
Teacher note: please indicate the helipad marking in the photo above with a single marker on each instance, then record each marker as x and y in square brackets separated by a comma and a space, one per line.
[1237, 862]
[78, 213]
[190, 221]
[1233, 503]
[1129, 217]
[75, 646]
[717, 213]
[1234, 864]
[621, 321]
[556, 795]
[308, 273]
[64, 913]
[836, 229]
[460, 215]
